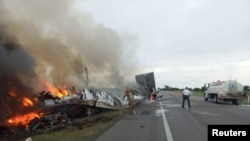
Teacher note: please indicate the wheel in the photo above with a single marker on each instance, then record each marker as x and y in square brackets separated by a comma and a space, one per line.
[234, 101]
[215, 99]
[205, 98]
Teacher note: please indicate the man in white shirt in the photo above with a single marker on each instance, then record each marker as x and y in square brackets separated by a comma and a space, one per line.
[185, 95]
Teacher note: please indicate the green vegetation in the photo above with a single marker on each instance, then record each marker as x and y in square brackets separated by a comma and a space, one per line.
[198, 93]
[247, 101]
[169, 88]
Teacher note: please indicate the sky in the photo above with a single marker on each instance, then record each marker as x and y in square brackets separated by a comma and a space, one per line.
[184, 42]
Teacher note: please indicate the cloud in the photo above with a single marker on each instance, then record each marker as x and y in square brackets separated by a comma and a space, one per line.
[66, 42]
[194, 33]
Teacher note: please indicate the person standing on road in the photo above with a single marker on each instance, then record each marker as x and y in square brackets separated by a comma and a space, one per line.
[185, 96]
[131, 100]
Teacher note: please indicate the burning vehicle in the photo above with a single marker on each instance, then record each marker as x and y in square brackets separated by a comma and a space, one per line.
[59, 107]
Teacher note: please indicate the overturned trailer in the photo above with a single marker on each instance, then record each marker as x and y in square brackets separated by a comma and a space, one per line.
[90, 99]
[146, 82]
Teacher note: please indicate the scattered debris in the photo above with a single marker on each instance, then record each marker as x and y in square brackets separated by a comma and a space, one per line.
[53, 112]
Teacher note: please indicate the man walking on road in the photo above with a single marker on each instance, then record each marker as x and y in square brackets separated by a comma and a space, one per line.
[185, 96]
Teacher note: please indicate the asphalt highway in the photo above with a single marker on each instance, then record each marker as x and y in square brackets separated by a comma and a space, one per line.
[163, 119]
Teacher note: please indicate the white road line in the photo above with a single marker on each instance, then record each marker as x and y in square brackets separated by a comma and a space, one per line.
[166, 126]
[205, 113]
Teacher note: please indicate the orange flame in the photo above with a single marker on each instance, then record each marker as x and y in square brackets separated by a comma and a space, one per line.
[59, 91]
[27, 102]
[23, 119]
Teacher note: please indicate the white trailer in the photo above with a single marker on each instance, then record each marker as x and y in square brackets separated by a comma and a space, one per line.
[222, 91]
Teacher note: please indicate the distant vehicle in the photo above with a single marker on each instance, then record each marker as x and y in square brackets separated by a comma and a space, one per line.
[222, 91]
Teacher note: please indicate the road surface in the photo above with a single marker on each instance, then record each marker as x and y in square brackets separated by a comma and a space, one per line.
[163, 119]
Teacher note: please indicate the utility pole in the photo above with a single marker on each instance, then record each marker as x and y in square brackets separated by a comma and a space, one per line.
[87, 82]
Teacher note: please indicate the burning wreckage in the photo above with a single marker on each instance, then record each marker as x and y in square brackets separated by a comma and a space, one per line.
[24, 108]
[60, 107]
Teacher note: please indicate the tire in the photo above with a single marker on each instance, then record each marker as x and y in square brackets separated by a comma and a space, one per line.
[205, 98]
[234, 102]
[215, 99]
